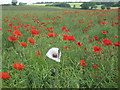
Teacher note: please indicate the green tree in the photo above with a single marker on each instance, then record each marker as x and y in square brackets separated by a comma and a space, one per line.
[73, 6]
[87, 5]
[103, 7]
[108, 8]
[14, 2]
[60, 5]
[95, 7]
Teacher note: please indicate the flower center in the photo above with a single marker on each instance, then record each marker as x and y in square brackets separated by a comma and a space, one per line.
[54, 55]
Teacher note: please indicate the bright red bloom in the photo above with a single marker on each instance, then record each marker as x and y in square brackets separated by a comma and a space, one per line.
[52, 35]
[91, 40]
[4, 75]
[31, 41]
[96, 38]
[35, 32]
[11, 38]
[11, 24]
[33, 27]
[65, 37]
[18, 66]
[79, 44]
[36, 21]
[9, 30]
[0, 28]
[26, 25]
[17, 33]
[23, 44]
[112, 24]
[69, 38]
[64, 29]
[95, 66]
[82, 63]
[106, 42]
[104, 32]
[117, 44]
[67, 30]
[102, 23]
[16, 28]
[97, 49]
[85, 48]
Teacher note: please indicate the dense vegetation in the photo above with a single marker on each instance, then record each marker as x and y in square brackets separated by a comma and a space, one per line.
[88, 40]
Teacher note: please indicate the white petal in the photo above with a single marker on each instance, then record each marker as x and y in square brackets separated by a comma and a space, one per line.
[53, 51]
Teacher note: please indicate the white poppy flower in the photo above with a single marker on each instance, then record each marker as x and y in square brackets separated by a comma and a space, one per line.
[54, 54]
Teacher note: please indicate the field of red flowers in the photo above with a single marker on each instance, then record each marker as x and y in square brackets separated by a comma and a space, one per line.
[87, 39]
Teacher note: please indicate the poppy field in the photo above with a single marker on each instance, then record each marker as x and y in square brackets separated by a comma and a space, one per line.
[87, 39]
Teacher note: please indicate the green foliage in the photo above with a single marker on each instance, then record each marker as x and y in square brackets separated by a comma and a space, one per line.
[42, 72]
[21, 3]
[87, 5]
[6, 4]
[73, 6]
[59, 5]
[108, 8]
[103, 7]
[95, 7]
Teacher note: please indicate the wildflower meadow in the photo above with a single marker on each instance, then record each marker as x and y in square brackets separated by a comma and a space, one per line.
[87, 39]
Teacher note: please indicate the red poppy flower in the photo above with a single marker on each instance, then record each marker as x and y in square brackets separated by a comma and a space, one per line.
[117, 44]
[67, 30]
[98, 42]
[16, 28]
[26, 25]
[79, 44]
[91, 40]
[11, 38]
[35, 32]
[97, 49]
[69, 38]
[112, 24]
[104, 32]
[106, 42]
[4, 75]
[11, 24]
[18, 66]
[102, 23]
[31, 41]
[96, 38]
[65, 37]
[85, 48]
[82, 63]
[23, 44]
[0, 28]
[104, 19]
[9, 30]
[33, 27]
[95, 66]
[63, 28]
[66, 48]
[115, 36]
[52, 35]
[37, 53]
[17, 33]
